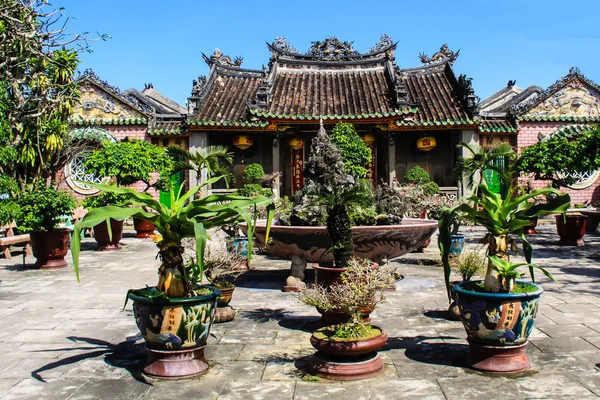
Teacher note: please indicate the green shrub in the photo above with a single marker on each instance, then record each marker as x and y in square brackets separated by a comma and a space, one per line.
[253, 173]
[355, 153]
[253, 190]
[417, 175]
[363, 216]
[40, 208]
[103, 199]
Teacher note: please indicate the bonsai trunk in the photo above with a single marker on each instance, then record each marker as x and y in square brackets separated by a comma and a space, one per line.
[497, 246]
[339, 228]
[171, 278]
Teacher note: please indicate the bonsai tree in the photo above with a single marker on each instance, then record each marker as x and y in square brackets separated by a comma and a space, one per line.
[253, 173]
[501, 217]
[419, 176]
[355, 153]
[337, 190]
[213, 159]
[470, 170]
[361, 285]
[184, 218]
[131, 161]
[556, 157]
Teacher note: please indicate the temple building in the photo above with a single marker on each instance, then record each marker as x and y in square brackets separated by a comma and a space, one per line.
[408, 116]
[570, 106]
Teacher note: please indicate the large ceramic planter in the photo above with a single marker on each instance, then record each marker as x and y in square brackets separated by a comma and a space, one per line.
[347, 360]
[50, 248]
[571, 229]
[103, 239]
[143, 228]
[498, 326]
[304, 244]
[175, 331]
[530, 229]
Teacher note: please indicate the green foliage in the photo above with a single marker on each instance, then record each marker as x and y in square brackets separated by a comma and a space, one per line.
[213, 159]
[390, 204]
[501, 217]
[419, 176]
[470, 170]
[469, 263]
[184, 218]
[40, 208]
[130, 161]
[254, 190]
[355, 153]
[363, 216]
[508, 271]
[283, 211]
[253, 173]
[104, 199]
[561, 154]
[38, 91]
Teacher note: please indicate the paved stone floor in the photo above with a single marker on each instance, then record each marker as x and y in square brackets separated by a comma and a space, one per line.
[66, 340]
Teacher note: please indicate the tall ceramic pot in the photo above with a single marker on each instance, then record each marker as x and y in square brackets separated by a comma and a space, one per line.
[104, 240]
[143, 228]
[457, 241]
[238, 244]
[50, 248]
[175, 331]
[498, 325]
[571, 229]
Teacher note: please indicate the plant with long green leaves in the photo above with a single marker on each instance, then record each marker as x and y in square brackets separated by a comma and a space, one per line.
[501, 217]
[184, 218]
[213, 159]
[507, 272]
[470, 169]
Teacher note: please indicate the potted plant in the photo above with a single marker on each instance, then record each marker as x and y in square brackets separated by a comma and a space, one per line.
[175, 316]
[133, 162]
[502, 217]
[105, 240]
[348, 351]
[467, 265]
[39, 212]
[560, 159]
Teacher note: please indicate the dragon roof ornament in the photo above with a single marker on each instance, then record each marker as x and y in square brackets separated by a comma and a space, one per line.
[385, 43]
[331, 49]
[444, 55]
[219, 58]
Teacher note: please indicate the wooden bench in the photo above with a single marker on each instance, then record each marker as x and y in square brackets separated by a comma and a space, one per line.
[10, 239]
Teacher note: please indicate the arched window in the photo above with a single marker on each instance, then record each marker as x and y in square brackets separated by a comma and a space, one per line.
[75, 173]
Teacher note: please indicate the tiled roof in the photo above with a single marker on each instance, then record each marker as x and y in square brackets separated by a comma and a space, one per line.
[227, 96]
[167, 126]
[497, 125]
[332, 81]
[558, 118]
[572, 130]
[325, 92]
[436, 96]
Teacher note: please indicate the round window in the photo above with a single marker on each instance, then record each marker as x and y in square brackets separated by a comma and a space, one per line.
[77, 176]
[583, 179]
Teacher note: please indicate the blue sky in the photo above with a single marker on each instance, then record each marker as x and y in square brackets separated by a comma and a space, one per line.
[532, 41]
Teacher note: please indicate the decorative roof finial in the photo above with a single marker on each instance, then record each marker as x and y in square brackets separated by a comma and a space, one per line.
[445, 54]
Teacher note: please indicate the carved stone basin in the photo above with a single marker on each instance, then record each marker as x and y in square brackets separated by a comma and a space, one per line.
[376, 243]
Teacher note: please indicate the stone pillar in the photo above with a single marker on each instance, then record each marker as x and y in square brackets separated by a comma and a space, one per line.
[276, 168]
[470, 136]
[198, 142]
[391, 159]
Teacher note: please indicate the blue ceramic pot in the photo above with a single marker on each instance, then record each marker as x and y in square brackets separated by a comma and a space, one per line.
[457, 244]
[239, 244]
[497, 319]
[175, 323]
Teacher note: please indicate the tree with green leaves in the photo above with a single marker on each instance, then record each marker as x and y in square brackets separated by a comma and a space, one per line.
[470, 170]
[355, 153]
[213, 159]
[37, 89]
[558, 156]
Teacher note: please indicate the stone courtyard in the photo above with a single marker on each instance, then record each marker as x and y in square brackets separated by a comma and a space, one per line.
[66, 340]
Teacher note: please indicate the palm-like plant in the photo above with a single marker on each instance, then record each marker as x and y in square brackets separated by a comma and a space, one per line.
[184, 218]
[501, 217]
[213, 159]
[470, 170]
